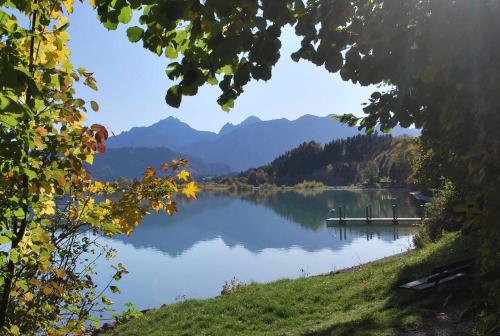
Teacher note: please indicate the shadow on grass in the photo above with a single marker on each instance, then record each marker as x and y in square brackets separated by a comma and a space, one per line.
[406, 309]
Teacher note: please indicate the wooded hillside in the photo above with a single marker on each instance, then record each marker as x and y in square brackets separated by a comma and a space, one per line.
[364, 159]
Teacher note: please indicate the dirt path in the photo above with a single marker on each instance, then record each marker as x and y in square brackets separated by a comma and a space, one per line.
[443, 322]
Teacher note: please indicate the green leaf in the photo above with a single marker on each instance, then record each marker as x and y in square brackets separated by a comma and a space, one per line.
[135, 33]
[4, 240]
[334, 62]
[212, 81]
[8, 120]
[174, 96]
[110, 25]
[19, 213]
[3, 17]
[94, 106]
[171, 53]
[106, 301]
[114, 289]
[228, 106]
[4, 102]
[125, 15]
[226, 70]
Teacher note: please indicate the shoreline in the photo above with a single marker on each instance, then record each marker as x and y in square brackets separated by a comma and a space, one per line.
[109, 326]
[219, 187]
[345, 300]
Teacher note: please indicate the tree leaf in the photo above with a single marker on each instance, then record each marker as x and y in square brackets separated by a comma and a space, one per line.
[190, 190]
[94, 106]
[4, 240]
[114, 289]
[125, 15]
[171, 53]
[183, 175]
[135, 33]
[174, 96]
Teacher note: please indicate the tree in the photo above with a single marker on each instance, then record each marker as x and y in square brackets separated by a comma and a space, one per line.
[370, 173]
[435, 63]
[51, 211]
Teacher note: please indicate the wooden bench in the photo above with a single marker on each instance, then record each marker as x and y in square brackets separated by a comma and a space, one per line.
[441, 275]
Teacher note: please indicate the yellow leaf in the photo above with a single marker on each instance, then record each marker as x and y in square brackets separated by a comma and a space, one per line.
[47, 291]
[183, 175]
[68, 4]
[190, 190]
[28, 297]
[172, 185]
[60, 273]
[62, 21]
[15, 330]
[92, 3]
[89, 159]
[38, 142]
[156, 205]
[150, 172]
[47, 208]
[36, 282]
[171, 208]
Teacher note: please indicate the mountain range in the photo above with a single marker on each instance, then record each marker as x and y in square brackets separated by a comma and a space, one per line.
[252, 143]
[130, 162]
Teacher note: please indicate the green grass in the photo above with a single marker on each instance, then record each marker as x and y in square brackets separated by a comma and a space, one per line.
[361, 302]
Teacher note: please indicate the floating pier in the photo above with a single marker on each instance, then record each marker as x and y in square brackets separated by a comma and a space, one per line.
[369, 220]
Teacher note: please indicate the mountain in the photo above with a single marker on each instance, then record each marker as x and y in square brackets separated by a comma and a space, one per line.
[260, 142]
[252, 143]
[131, 163]
[228, 128]
[170, 133]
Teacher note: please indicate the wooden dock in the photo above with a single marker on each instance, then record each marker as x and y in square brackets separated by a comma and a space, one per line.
[369, 220]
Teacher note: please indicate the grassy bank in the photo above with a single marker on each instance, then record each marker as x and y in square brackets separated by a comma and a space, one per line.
[234, 185]
[362, 301]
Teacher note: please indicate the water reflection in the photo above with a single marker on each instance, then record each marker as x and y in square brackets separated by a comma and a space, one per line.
[250, 220]
[253, 237]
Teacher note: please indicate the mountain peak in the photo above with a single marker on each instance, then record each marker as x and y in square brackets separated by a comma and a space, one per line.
[229, 127]
[250, 120]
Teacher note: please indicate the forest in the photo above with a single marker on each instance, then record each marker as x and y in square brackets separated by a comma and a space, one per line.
[370, 160]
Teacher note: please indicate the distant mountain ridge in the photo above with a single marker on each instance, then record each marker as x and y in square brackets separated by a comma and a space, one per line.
[130, 163]
[252, 143]
[228, 128]
[171, 133]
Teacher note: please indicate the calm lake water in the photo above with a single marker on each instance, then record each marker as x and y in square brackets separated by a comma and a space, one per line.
[251, 237]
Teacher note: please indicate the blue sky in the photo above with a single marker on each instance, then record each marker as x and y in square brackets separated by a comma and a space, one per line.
[132, 84]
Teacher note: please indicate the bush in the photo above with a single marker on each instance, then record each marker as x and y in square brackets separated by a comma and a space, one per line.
[439, 212]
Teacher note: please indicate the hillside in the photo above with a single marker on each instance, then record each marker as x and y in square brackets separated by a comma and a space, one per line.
[364, 159]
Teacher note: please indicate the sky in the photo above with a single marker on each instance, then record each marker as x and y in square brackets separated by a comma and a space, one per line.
[132, 84]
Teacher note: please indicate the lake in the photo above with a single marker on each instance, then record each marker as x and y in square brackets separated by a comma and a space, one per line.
[254, 236]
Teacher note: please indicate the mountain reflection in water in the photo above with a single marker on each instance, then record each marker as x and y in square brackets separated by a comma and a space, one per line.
[252, 236]
[250, 220]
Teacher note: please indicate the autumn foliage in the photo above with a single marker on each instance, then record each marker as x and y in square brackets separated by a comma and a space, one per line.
[51, 211]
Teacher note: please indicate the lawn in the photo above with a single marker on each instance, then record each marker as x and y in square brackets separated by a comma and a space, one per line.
[364, 301]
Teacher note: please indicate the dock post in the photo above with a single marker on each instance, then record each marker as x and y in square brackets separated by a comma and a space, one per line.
[394, 217]
[367, 216]
[422, 212]
[371, 216]
[340, 215]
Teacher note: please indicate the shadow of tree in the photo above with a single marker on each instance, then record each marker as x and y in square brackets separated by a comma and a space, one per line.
[406, 311]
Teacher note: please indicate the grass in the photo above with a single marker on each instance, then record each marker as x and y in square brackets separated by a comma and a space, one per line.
[364, 301]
